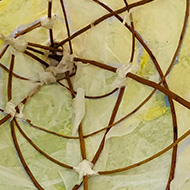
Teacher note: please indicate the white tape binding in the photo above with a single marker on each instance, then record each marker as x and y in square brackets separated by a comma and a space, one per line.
[10, 109]
[122, 71]
[47, 22]
[66, 64]
[20, 114]
[53, 72]
[19, 43]
[47, 78]
[85, 168]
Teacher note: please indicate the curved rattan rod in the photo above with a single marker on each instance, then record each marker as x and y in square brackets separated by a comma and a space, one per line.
[162, 89]
[9, 85]
[67, 25]
[147, 159]
[22, 160]
[53, 49]
[104, 17]
[50, 16]
[28, 29]
[15, 75]
[9, 97]
[39, 150]
[92, 97]
[24, 101]
[42, 62]
[153, 58]
[172, 109]
[80, 128]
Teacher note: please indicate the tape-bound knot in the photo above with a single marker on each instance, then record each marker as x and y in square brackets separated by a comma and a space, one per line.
[52, 69]
[66, 63]
[54, 73]
[47, 22]
[84, 169]
[20, 114]
[127, 17]
[18, 44]
[122, 71]
[47, 78]
[11, 109]
[4, 38]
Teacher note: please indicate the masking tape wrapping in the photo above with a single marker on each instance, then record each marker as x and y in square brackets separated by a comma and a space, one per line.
[85, 168]
[18, 44]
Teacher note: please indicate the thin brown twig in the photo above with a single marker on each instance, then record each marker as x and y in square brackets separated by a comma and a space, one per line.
[92, 97]
[9, 85]
[173, 60]
[164, 90]
[52, 56]
[175, 130]
[67, 25]
[14, 137]
[24, 101]
[80, 133]
[50, 16]
[4, 119]
[95, 63]
[28, 29]
[82, 142]
[101, 96]
[70, 84]
[147, 159]
[41, 151]
[35, 50]
[15, 75]
[36, 58]
[50, 132]
[114, 113]
[133, 32]
[3, 51]
[44, 47]
[101, 19]
[81, 138]
[123, 118]
[101, 146]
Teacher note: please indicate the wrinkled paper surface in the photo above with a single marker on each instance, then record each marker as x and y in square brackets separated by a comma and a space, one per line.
[140, 136]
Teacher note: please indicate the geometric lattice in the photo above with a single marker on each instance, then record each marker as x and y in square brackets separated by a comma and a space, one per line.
[71, 117]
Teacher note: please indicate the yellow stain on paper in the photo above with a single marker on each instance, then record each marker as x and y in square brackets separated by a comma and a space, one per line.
[154, 112]
[144, 62]
[60, 188]
[1, 43]
[3, 5]
[147, 69]
[146, 65]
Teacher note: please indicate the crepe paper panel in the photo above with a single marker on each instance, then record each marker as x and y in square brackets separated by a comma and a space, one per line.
[98, 88]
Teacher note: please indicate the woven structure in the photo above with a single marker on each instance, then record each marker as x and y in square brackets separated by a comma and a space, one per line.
[58, 64]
